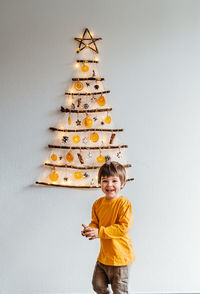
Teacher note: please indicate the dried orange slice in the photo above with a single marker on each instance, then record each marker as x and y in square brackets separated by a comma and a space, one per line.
[78, 175]
[84, 68]
[76, 139]
[87, 122]
[69, 156]
[78, 86]
[101, 159]
[54, 177]
[69, 120]
[108, 119]
[101, 100]
[54, 157]
[94, 137]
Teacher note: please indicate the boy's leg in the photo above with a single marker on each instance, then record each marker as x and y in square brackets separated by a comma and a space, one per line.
[119, 279]
[100, 280]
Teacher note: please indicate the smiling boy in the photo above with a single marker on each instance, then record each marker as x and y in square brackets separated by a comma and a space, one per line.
[111, 221]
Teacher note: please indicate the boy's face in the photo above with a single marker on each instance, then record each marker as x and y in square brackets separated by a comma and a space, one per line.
[111, 186]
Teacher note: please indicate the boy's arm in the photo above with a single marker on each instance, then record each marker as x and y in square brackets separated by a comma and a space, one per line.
[121, 228]
[95, 221]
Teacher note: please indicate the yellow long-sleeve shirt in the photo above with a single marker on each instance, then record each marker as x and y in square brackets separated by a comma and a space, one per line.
[113, 218]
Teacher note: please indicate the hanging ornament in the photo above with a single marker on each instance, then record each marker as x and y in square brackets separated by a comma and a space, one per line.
[112, 138]
[93, 73]
[108, 119]
[107, 159]
[78, 175]
[78, 86]
[78, 122]
[96, 87]
[95, 118]
[79, 102]
[69, 156]
[65, 139]
[76, 139]
[87, 84]
[65, 179]
[54, 177]
[89, 155]
[94, 137]
[86, 106]
[92, 182]
[101, 101]
[86, 175]
[60, 157]
[54, 157]
[84, 67]
[69, 120]
[119, 154]
[87, 122]
[72, 106]
[100, 158]
[93, 99]
[80, 157]
[85, 140]
[102, 123]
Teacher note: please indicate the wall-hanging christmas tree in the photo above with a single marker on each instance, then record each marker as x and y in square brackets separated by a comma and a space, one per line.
[86, 138]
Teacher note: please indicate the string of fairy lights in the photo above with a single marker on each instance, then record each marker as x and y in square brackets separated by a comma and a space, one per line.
[85, 139]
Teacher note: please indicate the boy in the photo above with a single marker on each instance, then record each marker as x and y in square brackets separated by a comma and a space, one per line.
[111, 221]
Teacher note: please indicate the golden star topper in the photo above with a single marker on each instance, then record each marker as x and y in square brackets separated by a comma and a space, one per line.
[87, 41]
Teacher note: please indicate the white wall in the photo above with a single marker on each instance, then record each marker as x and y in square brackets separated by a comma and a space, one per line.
[151, 52]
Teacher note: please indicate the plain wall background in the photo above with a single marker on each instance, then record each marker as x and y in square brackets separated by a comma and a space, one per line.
[150, 58]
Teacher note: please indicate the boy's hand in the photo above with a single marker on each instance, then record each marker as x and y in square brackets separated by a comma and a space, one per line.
[91, 233]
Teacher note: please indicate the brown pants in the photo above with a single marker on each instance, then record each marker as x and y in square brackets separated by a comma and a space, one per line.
[117, 276]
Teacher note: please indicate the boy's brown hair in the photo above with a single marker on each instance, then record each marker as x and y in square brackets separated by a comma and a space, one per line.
[110, 169]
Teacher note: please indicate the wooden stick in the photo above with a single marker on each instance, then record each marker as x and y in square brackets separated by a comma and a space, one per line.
[86, 130]
[80, 157]
[87, 94]
[87, 148]
[112, 138]
[87, 61]
[78, 167]
[68, 186]
[79, 102]
[87, 79]
[62, 109]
